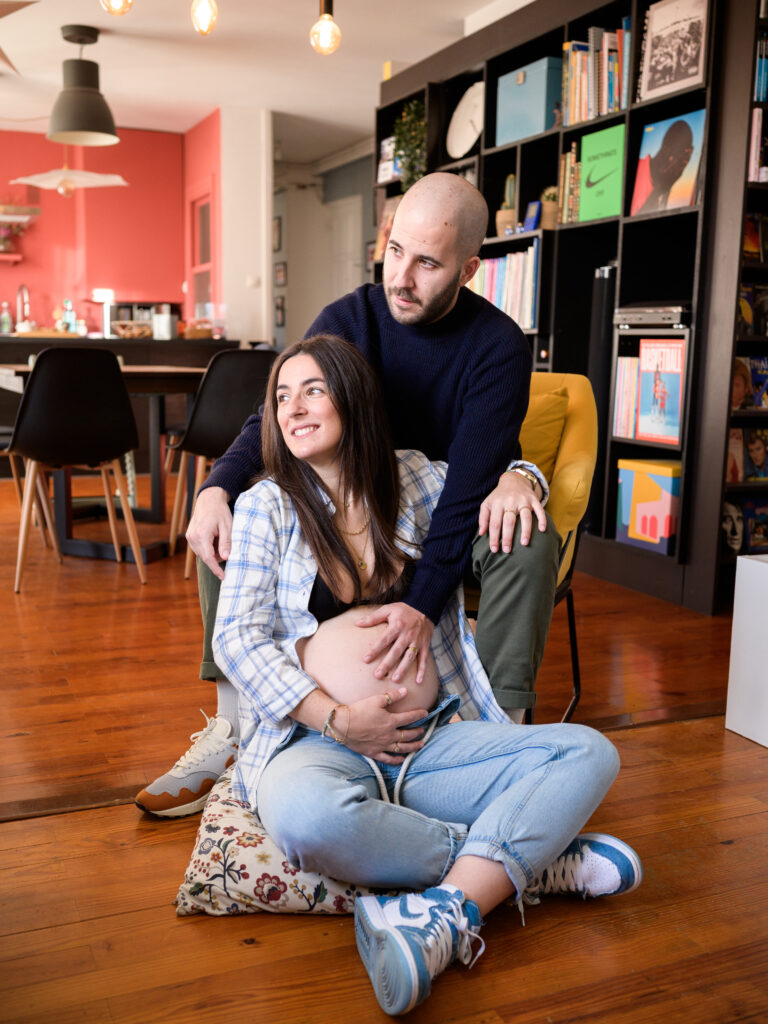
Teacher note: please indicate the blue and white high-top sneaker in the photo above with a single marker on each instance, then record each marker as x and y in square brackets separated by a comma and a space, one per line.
[406, 941]
[594, 864]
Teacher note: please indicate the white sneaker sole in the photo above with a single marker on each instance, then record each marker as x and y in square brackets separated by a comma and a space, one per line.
[386, 957]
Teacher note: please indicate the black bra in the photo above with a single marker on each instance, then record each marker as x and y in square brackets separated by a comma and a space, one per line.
[324, 604]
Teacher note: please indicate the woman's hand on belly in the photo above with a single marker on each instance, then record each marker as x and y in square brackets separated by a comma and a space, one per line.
[376, 728]
[333, 657]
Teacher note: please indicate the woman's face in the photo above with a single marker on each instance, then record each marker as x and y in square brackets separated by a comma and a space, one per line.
[308, 420]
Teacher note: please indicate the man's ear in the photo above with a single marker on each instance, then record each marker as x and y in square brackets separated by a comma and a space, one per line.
[469, 269]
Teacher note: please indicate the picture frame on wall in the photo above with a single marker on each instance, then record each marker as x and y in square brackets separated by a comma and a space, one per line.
[277, 234]
[279, 311]
[281, 274]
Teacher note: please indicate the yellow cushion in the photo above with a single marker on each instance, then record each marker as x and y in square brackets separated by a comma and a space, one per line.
[542, 429]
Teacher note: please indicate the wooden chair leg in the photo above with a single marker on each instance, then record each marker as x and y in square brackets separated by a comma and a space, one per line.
[104, 470]
[178, 504]
[37, 511]
[28, 500]
[16, 476]
[130, 525]
[200, 468]
[46, 512]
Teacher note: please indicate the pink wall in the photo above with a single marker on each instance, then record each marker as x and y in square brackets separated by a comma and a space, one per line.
[202, 176]
[128, 239]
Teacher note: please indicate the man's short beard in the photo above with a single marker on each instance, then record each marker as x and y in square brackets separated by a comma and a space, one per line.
[436, 307]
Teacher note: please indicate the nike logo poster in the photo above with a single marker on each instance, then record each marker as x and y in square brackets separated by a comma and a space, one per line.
[602, 167]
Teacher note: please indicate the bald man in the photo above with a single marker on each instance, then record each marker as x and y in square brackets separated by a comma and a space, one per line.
[455, 372]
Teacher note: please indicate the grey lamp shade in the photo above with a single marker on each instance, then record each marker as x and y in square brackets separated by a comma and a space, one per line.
[80, 115]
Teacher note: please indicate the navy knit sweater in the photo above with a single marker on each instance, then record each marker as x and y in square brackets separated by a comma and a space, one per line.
[456, 389]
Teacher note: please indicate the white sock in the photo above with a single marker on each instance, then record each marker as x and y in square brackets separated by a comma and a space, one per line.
[227, 703]
[517, 715]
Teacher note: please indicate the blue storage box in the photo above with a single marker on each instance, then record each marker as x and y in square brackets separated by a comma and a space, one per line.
[526, 100]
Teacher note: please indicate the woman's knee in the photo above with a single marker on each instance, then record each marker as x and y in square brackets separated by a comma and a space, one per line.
[594, 750]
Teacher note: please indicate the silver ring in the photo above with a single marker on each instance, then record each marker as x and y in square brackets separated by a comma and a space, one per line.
[397, 748]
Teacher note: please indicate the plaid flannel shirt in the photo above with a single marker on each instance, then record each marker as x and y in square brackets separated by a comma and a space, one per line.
[263, 611]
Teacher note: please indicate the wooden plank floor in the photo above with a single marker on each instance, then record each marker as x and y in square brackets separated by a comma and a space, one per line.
[99, 694]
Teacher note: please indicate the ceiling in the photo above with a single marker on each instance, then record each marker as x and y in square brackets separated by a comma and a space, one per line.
[157, 73]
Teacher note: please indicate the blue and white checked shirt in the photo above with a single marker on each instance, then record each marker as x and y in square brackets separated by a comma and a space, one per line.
[263, 611]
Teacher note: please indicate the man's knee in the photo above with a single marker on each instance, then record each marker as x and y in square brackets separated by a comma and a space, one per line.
[538, 560]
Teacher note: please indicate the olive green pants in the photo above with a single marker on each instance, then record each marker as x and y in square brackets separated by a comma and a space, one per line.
[516, 601]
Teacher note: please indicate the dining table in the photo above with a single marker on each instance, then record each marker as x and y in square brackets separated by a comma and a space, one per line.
[153, 382]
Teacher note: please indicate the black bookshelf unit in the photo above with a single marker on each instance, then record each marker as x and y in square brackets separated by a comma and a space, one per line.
[683, 254]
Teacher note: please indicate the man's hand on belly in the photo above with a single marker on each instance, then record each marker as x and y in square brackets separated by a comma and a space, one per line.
[405, 639]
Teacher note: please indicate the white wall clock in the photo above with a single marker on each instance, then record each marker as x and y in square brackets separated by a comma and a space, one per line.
[467, 122]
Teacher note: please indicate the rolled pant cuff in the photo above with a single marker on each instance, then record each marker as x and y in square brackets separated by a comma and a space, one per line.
[491, 849]
[210, 671]
[509, 698]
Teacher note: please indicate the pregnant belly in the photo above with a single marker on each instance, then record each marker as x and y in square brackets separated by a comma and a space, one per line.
[333, 656]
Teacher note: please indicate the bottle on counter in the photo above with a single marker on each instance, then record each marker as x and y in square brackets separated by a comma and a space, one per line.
[6, 320]
[69, 317]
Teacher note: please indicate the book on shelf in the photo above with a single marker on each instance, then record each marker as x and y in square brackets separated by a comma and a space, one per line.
[668, 163]
[660, 390]
[511, 283]
[756, 453]
[751, 247]
[756, 526]
[734, 468]
[741, 384]
[756, 147]
[673, 49]
[625, 397]
[760, 94]
[732, 529]
[596, 73]
[391, 204]
[745, 316]
[760, 308]
[602, 163]
[758, 368]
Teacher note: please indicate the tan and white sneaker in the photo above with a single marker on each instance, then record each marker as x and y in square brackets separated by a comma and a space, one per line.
[185, 788]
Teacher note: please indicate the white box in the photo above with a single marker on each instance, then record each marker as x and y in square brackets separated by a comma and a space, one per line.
[747, 708]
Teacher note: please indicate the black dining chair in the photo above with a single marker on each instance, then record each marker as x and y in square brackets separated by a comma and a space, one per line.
[75, 413]
[232, 388]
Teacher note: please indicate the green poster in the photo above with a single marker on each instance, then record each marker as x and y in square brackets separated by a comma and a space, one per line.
[602, 172]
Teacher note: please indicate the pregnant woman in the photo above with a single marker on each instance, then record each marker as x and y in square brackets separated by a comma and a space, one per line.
[367, 779]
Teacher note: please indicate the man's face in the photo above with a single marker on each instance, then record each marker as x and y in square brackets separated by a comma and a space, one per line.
[733, 526]
[422, 270]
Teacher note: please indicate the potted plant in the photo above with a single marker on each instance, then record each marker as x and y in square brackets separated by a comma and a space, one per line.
[549, 208]
[411, 143]
[506, 215]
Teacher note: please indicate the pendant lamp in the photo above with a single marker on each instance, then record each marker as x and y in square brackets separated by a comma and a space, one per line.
[325, 34]
[80, 115]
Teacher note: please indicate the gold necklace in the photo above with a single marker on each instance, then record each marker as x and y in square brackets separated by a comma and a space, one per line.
[356, 533]
[361, 562]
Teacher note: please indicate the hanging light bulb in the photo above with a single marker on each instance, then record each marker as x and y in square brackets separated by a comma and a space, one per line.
[325, 34]
[116, 6]
[204, 15]
[66, 187]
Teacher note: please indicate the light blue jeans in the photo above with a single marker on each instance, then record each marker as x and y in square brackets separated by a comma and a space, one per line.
[510, 793]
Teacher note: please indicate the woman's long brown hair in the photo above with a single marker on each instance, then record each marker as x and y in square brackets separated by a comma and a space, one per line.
[368, 467]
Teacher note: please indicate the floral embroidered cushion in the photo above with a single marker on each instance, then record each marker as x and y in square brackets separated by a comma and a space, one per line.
[236, 868]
